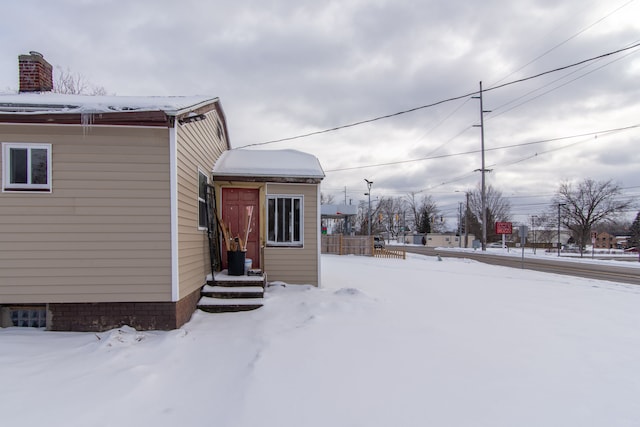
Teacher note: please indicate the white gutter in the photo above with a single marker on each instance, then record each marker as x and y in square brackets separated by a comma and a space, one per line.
[173, 170]
[319, 235]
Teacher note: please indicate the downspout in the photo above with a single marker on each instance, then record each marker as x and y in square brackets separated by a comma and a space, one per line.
[318, 234]
[173, 168]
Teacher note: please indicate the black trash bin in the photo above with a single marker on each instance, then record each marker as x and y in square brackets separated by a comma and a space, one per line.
[235, 259]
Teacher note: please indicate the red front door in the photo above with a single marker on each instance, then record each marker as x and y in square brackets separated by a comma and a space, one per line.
[234, 215]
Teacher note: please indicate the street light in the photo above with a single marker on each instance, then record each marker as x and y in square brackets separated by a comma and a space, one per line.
[368, 193]
[559, 205]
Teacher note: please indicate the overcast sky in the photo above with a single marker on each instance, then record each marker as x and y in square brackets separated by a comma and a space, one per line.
[290, 67]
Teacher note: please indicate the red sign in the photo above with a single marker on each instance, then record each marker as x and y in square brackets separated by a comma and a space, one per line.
[504, 228]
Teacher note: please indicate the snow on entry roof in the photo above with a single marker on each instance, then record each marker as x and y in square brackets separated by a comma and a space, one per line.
[47, 102]
[268, 163]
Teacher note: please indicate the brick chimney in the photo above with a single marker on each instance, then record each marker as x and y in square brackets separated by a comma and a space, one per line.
[36, 74]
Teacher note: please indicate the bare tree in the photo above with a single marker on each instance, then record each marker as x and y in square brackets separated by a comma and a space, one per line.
[362, 219]
[326, 199]
[423, 213]
[498, 210]
[545, 227]
[390, 211]
[587, 204]
[413, 208]
[68, 82]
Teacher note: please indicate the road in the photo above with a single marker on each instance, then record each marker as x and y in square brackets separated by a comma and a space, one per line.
[613, 273]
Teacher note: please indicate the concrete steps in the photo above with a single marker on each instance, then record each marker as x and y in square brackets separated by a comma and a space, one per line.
[224, 293]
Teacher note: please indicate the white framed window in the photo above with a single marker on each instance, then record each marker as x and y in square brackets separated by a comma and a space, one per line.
[26, 167]
[203, 181]
[285, 219]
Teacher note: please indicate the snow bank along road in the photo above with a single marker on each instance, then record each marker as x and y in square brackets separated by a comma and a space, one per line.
[614, 273]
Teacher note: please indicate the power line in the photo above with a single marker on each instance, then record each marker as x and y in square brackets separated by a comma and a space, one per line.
[523, 144]
[493, 115]
[553, 88]
[462, 177]
[595, 58]
[566, 40]
[455, 98]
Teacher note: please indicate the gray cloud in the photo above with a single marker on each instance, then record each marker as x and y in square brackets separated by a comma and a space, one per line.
[284, 68]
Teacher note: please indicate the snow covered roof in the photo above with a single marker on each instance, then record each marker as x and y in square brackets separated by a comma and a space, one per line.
[268, 164]
[52, 103]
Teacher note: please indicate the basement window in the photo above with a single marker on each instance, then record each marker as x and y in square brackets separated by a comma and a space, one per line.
[26, 167]
[29, 317]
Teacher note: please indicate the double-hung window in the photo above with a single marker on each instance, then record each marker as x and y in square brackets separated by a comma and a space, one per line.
[285, 219]
[203, 221]
[26, 167]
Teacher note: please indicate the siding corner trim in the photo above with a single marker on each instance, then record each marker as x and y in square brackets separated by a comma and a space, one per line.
[173, 166]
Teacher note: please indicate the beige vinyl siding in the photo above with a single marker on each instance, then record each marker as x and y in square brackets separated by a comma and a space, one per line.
[198, 149]
[290, 264]
[103, 233]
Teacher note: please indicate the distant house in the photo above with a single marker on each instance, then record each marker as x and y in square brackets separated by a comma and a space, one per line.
[447, 240]
[605, 240]
[623, 241]
[103, 205]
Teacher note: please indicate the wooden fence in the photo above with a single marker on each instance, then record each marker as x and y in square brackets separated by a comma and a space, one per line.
[338, 244]
[390, 253]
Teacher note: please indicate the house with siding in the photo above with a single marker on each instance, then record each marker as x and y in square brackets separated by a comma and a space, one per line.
[103, 205]
[110, 208]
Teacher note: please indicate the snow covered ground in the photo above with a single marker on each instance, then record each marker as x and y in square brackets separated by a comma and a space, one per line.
[415, 342]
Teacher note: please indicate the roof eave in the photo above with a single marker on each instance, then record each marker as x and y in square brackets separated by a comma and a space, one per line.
[130, 118]
[271, 178]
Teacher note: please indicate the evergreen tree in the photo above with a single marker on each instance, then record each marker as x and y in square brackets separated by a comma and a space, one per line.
[423, 211]
[635, 232]
[424, 224]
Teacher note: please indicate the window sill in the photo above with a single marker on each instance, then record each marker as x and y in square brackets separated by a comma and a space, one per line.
[26, 190]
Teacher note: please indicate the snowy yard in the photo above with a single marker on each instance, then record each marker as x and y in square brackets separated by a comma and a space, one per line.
[384, 343]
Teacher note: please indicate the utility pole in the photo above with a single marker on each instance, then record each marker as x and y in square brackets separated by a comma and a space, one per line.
[404, 226]
[460, 224]
[483, 170]
[533, 227]
[466, 223]
[368, 193]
